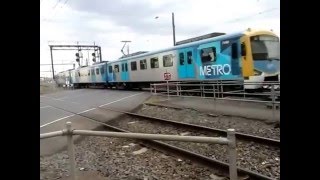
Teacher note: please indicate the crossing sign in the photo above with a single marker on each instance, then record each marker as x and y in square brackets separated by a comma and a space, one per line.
[167, 76]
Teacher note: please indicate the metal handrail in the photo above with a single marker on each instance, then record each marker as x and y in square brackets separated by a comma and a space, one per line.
[217, 91]
[69, 132]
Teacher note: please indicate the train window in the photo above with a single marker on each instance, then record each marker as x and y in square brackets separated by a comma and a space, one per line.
[97, 71]
[102, 70]
[208, 54]
[126, 67]
[189, 57]
[167, 60]
[264, 38]
[92, 71]
[133, 66]
[116, 68]
[88, 72]
[110, 69]
[143, 64]
[243, 50]
[154, 62]
[234, 51]
[181, 58]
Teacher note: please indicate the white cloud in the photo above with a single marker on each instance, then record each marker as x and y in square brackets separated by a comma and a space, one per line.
[107, 23]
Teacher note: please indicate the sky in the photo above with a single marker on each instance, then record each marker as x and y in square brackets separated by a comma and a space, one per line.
[108, 22]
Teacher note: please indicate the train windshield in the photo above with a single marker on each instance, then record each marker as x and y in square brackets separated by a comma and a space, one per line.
[265, 47]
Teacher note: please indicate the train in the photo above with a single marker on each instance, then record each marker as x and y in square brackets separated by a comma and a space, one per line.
[247, 56]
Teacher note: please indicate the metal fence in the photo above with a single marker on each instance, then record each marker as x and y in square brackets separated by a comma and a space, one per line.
[263, 92]
[69, 132]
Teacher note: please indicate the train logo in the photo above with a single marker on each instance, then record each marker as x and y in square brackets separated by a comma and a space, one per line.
[215, 70]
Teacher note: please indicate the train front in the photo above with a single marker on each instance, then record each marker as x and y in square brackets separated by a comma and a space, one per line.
[265, 51]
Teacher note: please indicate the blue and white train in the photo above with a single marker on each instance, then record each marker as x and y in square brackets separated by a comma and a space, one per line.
[248, 56]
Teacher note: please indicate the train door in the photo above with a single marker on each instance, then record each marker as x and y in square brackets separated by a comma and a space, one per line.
[124, 71]
[110, 73]
[104, 74]
[77, 75]
[98, 76]
[116, 73]
[186, 63]
[93, 75]
[70, 77]
[235, 56]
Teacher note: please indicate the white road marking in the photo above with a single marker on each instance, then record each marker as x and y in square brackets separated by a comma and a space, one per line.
[85, 110]
[79, 95]
[58, 99]
[45, 107]
[121, 99]
[56, 120]
[66, 117]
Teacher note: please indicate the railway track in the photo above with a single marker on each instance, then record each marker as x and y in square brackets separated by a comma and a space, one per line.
[241, 136]
[272, 124]
[165, 147]
[262, 158]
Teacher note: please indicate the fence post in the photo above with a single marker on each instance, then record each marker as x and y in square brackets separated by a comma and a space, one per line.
[201, 89]
[244, 90]
[180, 93]
[213, 90]
[273, 102]
[214, 96]
[232, 154]
[177, 88]
[168, 90]
[221, 89]
[71, 151]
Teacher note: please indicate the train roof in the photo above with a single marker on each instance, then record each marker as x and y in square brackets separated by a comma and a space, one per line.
[93, 65]
[198, 38]
[97, 63]
[133, 54]
[216, 38]
[195, 43]
[63, 71]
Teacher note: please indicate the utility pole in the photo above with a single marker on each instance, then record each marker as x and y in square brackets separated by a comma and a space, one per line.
[100, 55]
[173, 30]
[52, 62]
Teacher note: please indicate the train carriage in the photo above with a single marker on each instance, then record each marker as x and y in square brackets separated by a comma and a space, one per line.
[247, 56]
[250, 56]
[63, 78]
[95, 74]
